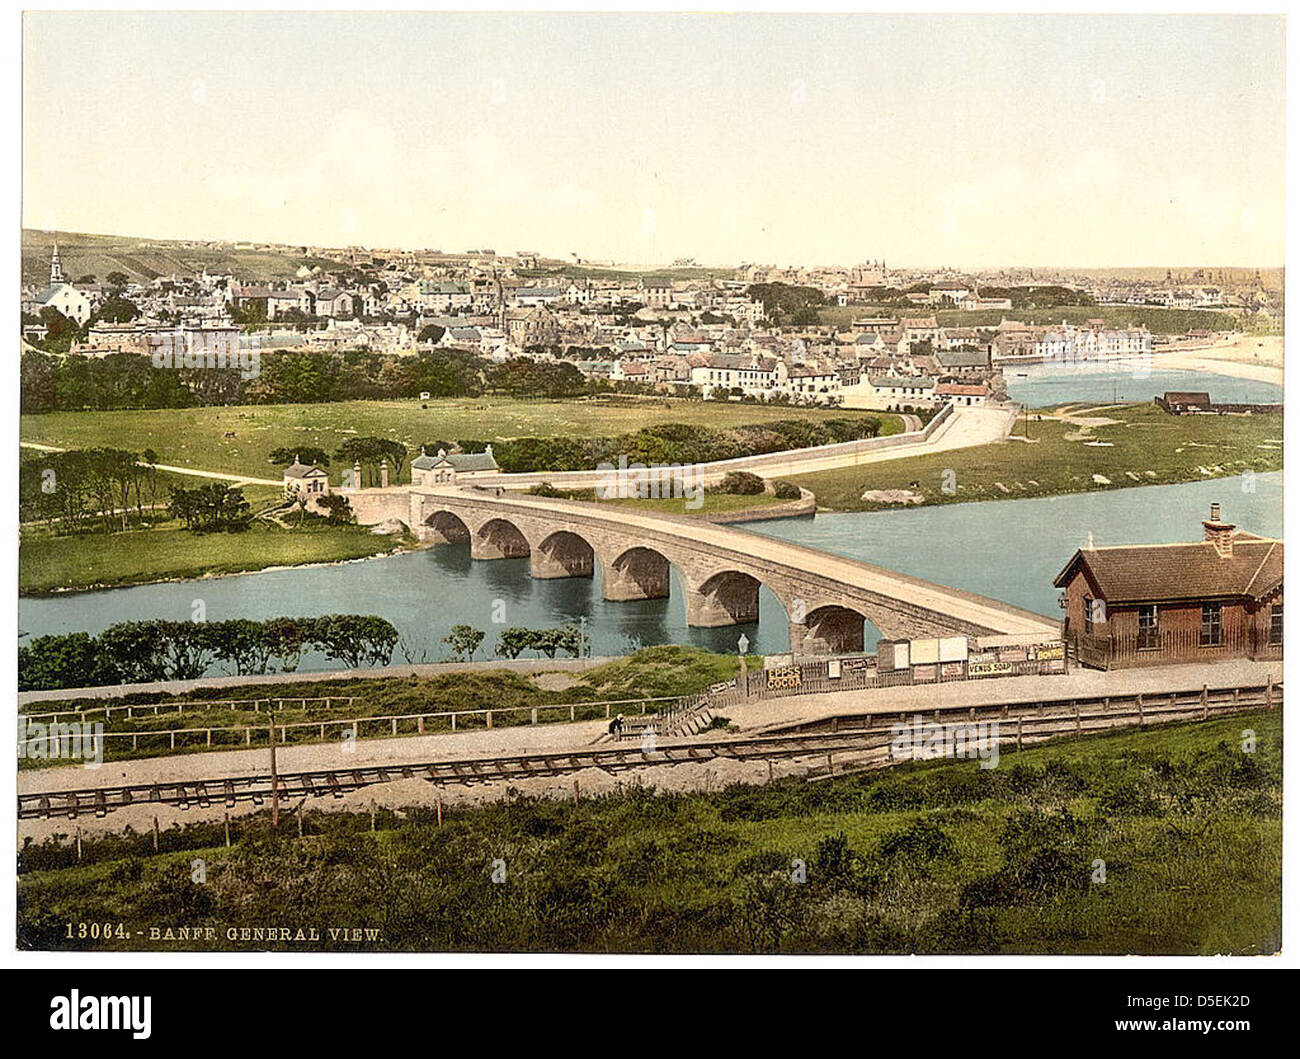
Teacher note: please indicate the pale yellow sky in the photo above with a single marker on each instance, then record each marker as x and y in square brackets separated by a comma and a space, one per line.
[968, 141]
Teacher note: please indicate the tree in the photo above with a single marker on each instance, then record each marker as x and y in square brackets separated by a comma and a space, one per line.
[370, 453]
[309, 454]
[210, 508]
[463, 640]
[64, 661]
[287, 639]
[338, 510]
[356, 639]
[514, 641]
[243, 642]
[118, 280]
[116, 310]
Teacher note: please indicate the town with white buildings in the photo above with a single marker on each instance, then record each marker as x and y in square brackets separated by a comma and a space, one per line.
[923, 338]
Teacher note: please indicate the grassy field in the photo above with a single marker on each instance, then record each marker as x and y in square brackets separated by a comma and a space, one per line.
[195, 437]
[710, 504]
[1155, 842]
[1144, 446]
[1157, 321]
[48, 563]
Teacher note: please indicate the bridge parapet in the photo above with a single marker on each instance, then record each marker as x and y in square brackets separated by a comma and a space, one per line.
[826, 598]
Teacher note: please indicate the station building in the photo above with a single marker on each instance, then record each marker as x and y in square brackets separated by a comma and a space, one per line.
[1159, 604]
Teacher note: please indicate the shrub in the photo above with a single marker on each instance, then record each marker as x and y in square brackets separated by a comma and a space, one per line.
[786, 491]
[742, 483]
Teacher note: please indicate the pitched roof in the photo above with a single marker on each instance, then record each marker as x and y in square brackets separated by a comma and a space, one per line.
[1155, 572]
[302, 470]
[461, 462]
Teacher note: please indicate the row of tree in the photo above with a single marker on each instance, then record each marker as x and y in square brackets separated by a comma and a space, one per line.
[679, 443]
[127, 380]
[465, 640]
[142, 651]
[84, 489]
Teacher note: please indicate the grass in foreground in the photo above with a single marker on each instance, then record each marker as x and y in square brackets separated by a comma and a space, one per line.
[1144, 447]
[938, 857]
[49, 563]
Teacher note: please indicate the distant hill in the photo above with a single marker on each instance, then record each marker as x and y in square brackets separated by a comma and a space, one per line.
[142, 260]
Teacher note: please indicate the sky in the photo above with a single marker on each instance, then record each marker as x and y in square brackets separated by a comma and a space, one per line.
[965, 141]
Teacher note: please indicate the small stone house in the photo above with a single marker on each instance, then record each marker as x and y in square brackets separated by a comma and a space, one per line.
[443, 469]
[306, 479]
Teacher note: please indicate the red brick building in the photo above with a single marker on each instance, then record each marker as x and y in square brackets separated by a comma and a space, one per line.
[1157, 604]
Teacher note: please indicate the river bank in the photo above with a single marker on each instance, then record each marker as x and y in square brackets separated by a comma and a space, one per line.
[1122, 447]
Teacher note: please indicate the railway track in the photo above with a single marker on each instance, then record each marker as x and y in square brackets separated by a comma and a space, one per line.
[876, 734]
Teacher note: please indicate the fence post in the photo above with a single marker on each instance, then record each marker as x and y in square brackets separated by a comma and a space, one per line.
[1205, 701]
[489, 718]
[1141, 714]
[1019, 730]
[535, 713]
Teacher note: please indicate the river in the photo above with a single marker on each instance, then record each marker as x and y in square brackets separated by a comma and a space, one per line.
[1044, 385]
[1007, 549]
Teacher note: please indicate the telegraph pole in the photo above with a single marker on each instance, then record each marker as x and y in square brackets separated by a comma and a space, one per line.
[275, 780]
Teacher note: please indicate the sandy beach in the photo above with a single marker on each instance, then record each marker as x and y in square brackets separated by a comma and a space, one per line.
[1259, 358]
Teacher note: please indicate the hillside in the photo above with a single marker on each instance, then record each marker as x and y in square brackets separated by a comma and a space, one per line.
[142, 260]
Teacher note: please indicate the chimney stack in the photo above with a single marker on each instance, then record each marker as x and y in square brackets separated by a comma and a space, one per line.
[1219, 533]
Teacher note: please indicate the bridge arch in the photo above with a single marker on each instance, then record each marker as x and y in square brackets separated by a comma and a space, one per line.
[563, 554]
[729, 597]
[499, 538]
[637, 573]
[827, 630]
[444, 527]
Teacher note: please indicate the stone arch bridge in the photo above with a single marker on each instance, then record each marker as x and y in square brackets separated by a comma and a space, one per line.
[826, 597]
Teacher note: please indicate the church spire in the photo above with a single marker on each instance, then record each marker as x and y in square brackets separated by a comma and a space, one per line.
[56, 267]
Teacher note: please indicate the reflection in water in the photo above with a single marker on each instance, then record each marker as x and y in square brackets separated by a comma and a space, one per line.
[1009, 550]
[1043, 385]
